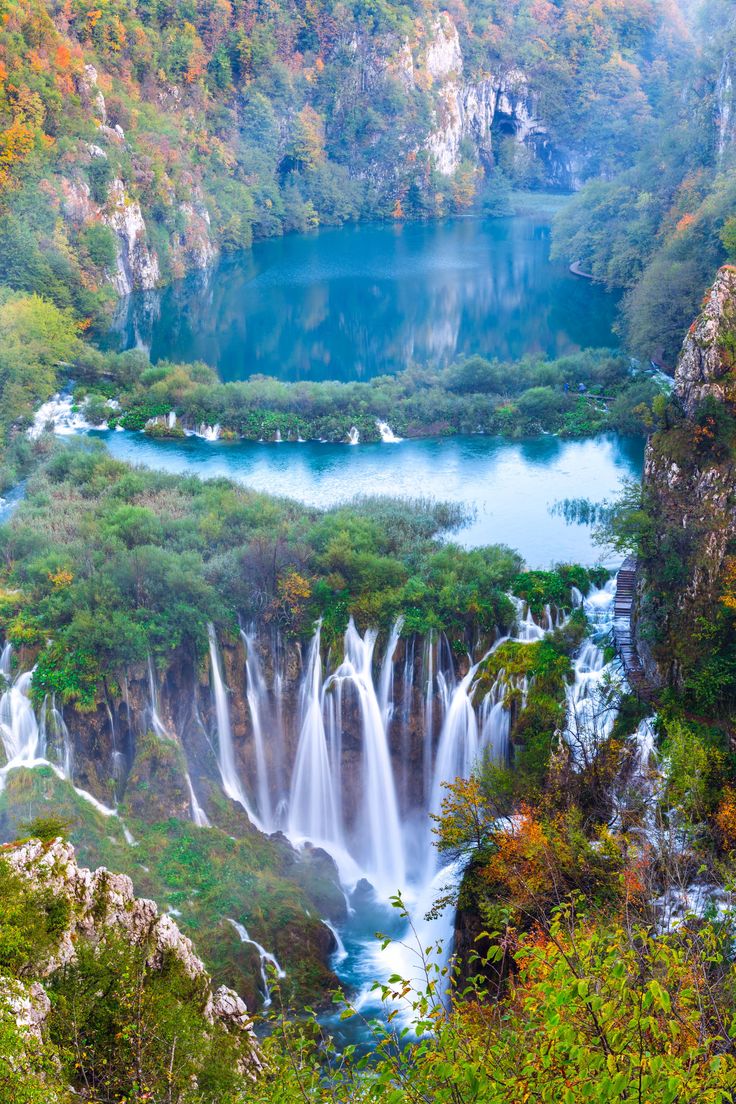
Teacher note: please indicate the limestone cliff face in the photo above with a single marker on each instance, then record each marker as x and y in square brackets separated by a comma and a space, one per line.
[101, 903]
[137, 266]
[690, 487]
[467, 109]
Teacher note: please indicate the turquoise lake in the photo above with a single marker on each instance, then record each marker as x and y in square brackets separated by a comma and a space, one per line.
[510, 486]
[368, 300]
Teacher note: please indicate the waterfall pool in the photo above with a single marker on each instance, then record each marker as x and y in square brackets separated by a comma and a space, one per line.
[509, 486]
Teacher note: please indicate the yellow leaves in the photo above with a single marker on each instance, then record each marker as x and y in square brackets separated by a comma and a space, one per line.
[16, 143]
[61, 579]
[728, 583]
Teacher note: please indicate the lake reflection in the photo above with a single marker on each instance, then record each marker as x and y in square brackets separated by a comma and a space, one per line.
[367, 300]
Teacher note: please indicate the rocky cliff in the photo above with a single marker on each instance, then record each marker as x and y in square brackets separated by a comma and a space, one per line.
[689, 524]
[97, 905]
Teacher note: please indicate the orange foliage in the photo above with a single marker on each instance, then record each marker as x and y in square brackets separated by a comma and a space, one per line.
[398, 211]
[726, 818]
[685, 222]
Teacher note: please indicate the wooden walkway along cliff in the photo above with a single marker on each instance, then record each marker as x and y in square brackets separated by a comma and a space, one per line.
[623, 635]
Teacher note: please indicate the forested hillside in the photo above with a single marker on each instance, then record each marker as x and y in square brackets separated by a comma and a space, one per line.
[662, 225]
[138, 140]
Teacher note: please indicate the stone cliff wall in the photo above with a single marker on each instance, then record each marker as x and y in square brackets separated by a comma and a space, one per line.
[690, 491]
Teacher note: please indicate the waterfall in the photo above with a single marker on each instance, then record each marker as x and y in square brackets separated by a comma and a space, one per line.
[19, 729]
[589, 717]
[386, 678]
[458, 746]
[198, 814]
[23, 740]
[380, 841]
[5, 671]
[266, 959]
[428, 714]
[313, 809]
[495, 723]
[387, 434]
[340, 952]
[157, 724]
[256, 697]
[226, 758]
[353, 436]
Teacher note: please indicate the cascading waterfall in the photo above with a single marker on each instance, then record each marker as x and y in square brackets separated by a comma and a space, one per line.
[24, 741]
[380, 847]
[18, 725]
[386, 679]
[457, 751]
[256, 697]
[314, 807]
[429, 691]
[225, 755]
[267, 959]
[590, 716]
[5, 656]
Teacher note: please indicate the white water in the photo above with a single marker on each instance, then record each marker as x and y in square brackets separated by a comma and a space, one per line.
[353, 436]
[313, 810]
[225, 756]
[267, 959]
[387, 434]
[24, 740]
[58, 414]
[256, 696]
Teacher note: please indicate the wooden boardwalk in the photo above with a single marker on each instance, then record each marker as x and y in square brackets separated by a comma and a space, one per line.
[623, 634]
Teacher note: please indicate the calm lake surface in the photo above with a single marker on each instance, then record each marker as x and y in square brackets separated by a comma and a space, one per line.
[368, 300]
[510, 485]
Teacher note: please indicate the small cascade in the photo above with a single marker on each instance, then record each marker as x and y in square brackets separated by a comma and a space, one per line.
[225, 757]
[529, 630]
[353, 436]
[19, 729]
[576, 597]
[387, 434]
[340, 953]
[171, 419]
[158, 726]
[314, 806]
[589, 717]
[24, 741]
[256, 697]
[386, 678]
[267, 959]
[53, 733]
[495, 723]
[5, 664]
[277, 438]
[198, 814]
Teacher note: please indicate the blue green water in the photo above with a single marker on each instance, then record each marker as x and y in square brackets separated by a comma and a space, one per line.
[510, 486]
[367, 300]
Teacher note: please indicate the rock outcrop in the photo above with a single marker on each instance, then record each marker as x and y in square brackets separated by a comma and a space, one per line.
[690, 491]
[101, 902]
[470, 110]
